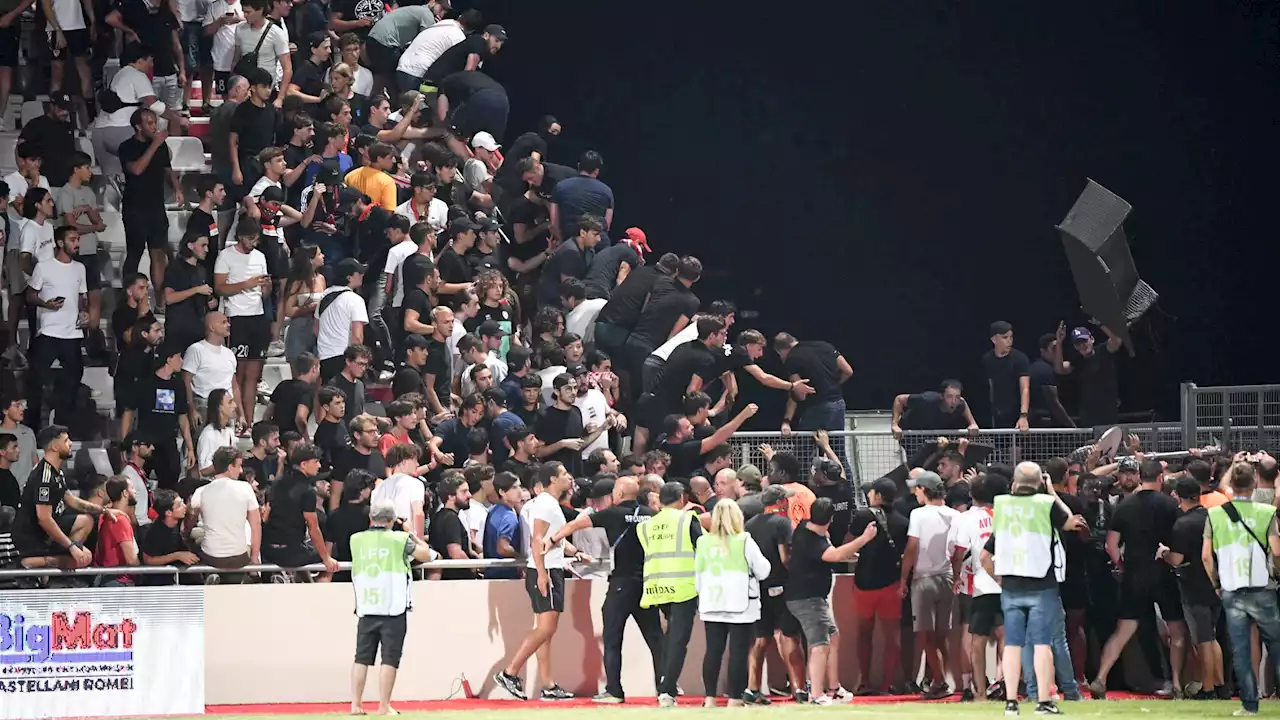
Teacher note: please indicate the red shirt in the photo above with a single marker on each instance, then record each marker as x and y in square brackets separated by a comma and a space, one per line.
[112, 537]
[390, 440]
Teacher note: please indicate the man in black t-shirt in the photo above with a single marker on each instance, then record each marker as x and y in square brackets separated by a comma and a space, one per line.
[1046, 407]
[292, 400]
[771, 530]
[570, 260]
[469, 54]
[53, 523]
[1141, 524]
[944, 409]
[876, 602]
[293, 519]
[145, 160]
[253, 128]
[560, 429]
[686, 452]
[163, 544]
[619, 316]
[408, 379]
[1200, 602]
[160, 404]
[1008, 376]
[449, 535]
[1095, 371]
[691, 367]
[670, 306]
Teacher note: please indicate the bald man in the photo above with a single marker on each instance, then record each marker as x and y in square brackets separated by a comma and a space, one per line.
[702, 493]
[625, 583]
[210, 365]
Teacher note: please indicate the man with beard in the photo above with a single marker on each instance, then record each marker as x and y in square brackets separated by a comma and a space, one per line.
[449, 535]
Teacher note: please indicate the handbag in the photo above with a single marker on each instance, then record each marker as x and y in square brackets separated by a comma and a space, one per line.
[249, 61]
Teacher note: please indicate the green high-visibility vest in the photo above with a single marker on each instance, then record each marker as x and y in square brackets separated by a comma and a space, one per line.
[380, 572]
[1023, 527]
[1240, 559]
[668, 558]
[723, 575]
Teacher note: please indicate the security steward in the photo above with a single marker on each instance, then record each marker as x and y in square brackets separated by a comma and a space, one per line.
[383, 582]
[669, 540]
[620, 522]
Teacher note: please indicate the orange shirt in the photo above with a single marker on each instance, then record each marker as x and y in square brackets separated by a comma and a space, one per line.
[799, 503]
[1214, 499]
[379, 186]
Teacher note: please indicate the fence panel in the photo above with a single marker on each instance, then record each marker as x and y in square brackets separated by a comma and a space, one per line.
[1237, 417]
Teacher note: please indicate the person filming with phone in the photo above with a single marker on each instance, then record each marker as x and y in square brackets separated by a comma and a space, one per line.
[57, 288]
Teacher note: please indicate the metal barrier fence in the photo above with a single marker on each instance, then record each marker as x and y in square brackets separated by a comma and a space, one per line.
[176, 570]
[1236, 417]
[868, 455]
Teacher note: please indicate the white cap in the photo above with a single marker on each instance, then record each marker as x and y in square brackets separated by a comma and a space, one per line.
[484, 141]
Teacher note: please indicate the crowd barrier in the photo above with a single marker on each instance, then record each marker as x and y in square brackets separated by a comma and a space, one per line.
[1237, 417]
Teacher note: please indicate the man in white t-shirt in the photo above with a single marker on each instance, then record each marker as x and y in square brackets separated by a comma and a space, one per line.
[404, 490]
[23, 179]
[977, 591]
[424, 206]
[342, 316]
[230, 524]
[58, 290]
[273, 49]
[543, 579]
[133, 86]
[580, 317]
[226, 15]
[425, 49]
[926, 570]
[240, 276]
[209, 365]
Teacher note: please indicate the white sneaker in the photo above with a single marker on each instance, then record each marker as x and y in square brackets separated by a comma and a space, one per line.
[823, 699]
[842, 695]
[666, 701]
[275, 349]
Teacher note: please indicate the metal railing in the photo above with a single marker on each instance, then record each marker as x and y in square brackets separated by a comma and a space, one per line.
[1236, 417]
[176, 570]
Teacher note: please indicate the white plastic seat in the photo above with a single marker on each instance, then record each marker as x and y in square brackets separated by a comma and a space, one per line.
[31, 110]
[85, 144]
[187, 153]
[8, 158]
[177, 226]
[113, 236]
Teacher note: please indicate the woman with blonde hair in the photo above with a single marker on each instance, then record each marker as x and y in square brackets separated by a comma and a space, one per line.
[728, 569]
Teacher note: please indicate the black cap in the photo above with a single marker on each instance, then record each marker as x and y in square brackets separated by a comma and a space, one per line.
[577, 370]
[497, 31]
[461, 225]
[488, 224]
[348, 267]
[349, 196]
[1000, 327]
[60, 99]
[828, 467]
[491, 328]
[601, 489]
[414, 341]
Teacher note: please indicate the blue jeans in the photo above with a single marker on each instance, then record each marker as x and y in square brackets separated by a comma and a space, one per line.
[829, 415]
[1243, 607]
[1063, 671]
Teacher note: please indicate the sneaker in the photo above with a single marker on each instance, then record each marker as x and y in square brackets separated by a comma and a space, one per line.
[555, 692]
[755, 697]
[512, 684]
[823, 699]
[666, 701]
[996, 691]
[1166, 691]
[967, 695]
[1097, 690]
[605, 698]
[212, 579]
[275, 349]
[1048, 707]
[1222, 692]
[15, 358]
[801, 696]
[1011, 707]
[938, 692]
[1204, 695]
[1244, 713]
[841, 695]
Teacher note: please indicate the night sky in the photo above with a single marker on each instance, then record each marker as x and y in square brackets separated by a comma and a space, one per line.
[888, 178]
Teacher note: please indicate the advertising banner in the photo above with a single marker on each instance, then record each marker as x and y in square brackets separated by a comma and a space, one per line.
[102, 652]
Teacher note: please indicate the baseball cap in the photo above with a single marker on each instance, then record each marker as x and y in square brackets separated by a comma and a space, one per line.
[461, 225]
[1080, 333]
[601, 489]
[1000, 327]
[414, 341]
[774, 494]
[491, 328]
[348, 267]
[488, 224]
[636, 238]
[484, 141]
[1128, 463]
[749, 473]
[60, 99]
[349, 196]
[577, 370]
[928, 480]
[827, 467]
[497, 31]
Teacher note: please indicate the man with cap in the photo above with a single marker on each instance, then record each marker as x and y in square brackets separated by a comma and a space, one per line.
[408, 379]
[771, 530]
[1008, 374]
[614, 263]
[1095, 373]
[455, 272]
[477, 171]
[570, 259]
[52, 136]
[926, 574]
[487, 253]
[877, 604]
[1200, 602]
[382, 579]
[294, 506]
[341, 317]
[467, 55]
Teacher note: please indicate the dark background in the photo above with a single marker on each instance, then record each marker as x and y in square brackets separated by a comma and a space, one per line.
[888, 178]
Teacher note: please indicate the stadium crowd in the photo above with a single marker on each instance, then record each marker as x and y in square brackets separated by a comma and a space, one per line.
[478, 359]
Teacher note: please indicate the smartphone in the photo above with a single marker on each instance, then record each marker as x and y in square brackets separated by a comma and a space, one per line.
[59, 299]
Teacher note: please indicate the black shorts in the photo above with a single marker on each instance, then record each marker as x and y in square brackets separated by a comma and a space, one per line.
[774, 616]
[10, 45]
[146, 226]
[1140, 591]
[250, 336]
[554, 600]
[290, 556]
[385, 631]
[964, 605]
[1202, 622]
[985, 614]
[78, 45]
[220, 79]
[43, 546]
[1075, 591]
[92, 271]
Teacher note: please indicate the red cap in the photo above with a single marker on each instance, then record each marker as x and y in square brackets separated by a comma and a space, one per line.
[636, 238]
